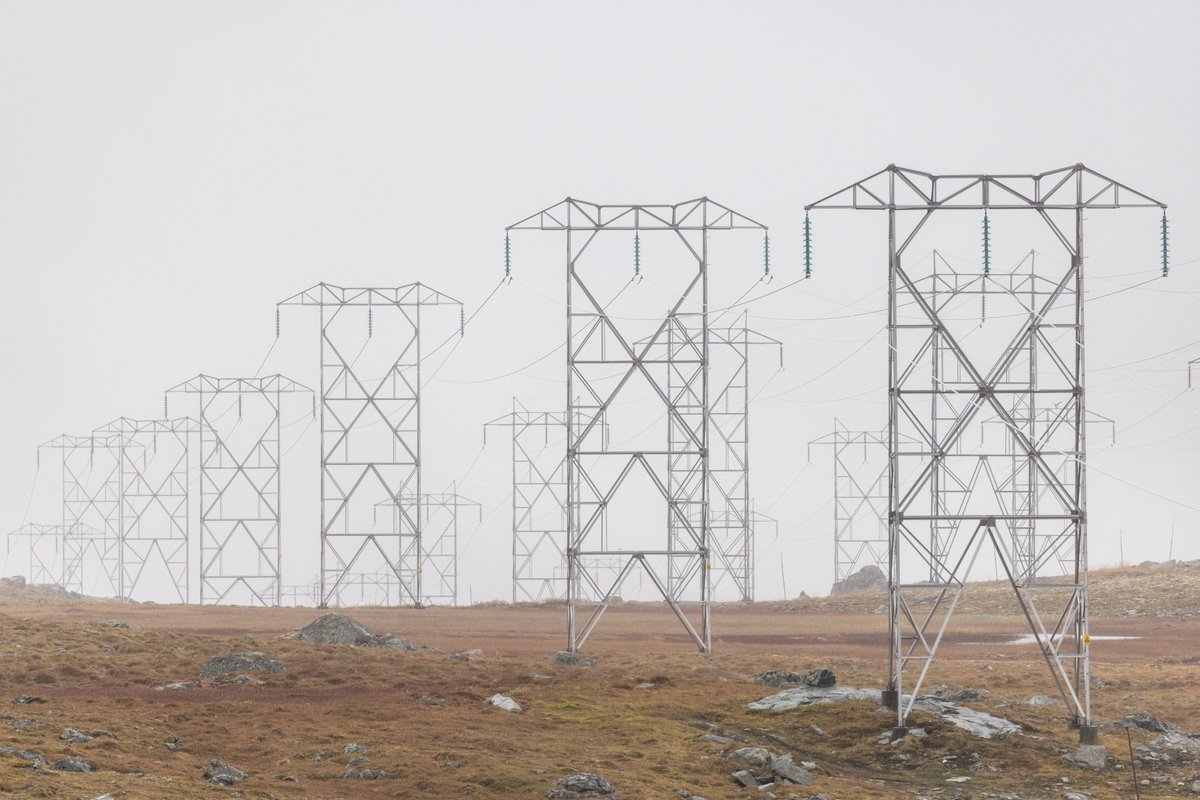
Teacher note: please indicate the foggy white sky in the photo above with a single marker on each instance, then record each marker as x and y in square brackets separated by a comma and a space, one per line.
[169, 171]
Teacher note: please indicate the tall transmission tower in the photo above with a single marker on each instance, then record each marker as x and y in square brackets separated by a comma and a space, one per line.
[241, 533]
[860, 498]
[539, 499]
[937, 519]
[44, 544]
[370, 364]
[441, 514]
[600, 345]
[153, 520]
[91, 511]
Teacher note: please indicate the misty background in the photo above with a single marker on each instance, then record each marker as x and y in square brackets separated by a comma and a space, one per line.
[170, 171]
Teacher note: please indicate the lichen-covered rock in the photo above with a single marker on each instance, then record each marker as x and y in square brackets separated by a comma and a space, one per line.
[565, 659]
[72, 736]
[587, 783]
[777, 678]
[239, 663]
[71, 764]
[337, 629]
[218, 771]
[821, 676]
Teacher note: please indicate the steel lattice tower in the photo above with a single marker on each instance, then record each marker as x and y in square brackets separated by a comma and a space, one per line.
[91, 510]
[440, 517]
[860, 531]
[599, 344]
[241, 525]
[152, 518]
[363, 387]
[44, 567]
[539, 499]
[938, 516]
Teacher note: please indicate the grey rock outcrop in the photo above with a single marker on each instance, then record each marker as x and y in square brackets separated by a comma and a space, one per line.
[977, 723]
[339, 629]
[565, 659]
[587, 784]
[22, 754]
[72, 736]
[71, 764]
[868, 579]
[239, 663]
[218, 771]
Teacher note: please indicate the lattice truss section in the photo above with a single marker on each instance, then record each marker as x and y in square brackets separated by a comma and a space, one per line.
[442, 517]
[1016, 486]
[154, 519]
[539, 500]
[241, 530]
[91, 511]
[731, 519]
[616, 361]
[43, 545]
[370, 419]
[860, 498]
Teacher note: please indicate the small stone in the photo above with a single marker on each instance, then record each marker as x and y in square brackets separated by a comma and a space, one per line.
[27, 699]
[72, 736]
[777, 678]
[466, 655]
[587, 783]
[287, 778]
[959, 779]
[504, 702]
[744, 777]
[218, 771]
[752, 757]
[1041, 700]
[112, 623]
[816, 730]
[712, 737]
[173, 687]
[785, 768]
[821, 677]
[23, 754]
[352, 749]
[71, 764]
[565, 659]
[170, 746]
[239, 663]
[373, 775]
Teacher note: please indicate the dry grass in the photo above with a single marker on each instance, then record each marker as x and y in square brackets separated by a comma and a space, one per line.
[100, 680]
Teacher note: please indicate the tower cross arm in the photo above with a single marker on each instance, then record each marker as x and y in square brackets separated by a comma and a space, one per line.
[1066, 188]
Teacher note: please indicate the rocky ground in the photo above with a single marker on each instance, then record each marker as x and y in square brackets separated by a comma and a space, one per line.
[152, 701]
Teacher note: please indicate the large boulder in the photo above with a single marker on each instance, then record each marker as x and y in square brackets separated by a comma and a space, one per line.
[337, 629]
[218, 771]
[868, 579]
[239, 663]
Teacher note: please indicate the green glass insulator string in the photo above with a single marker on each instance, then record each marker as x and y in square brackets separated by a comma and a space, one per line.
[807, 247]
[1166, 264]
